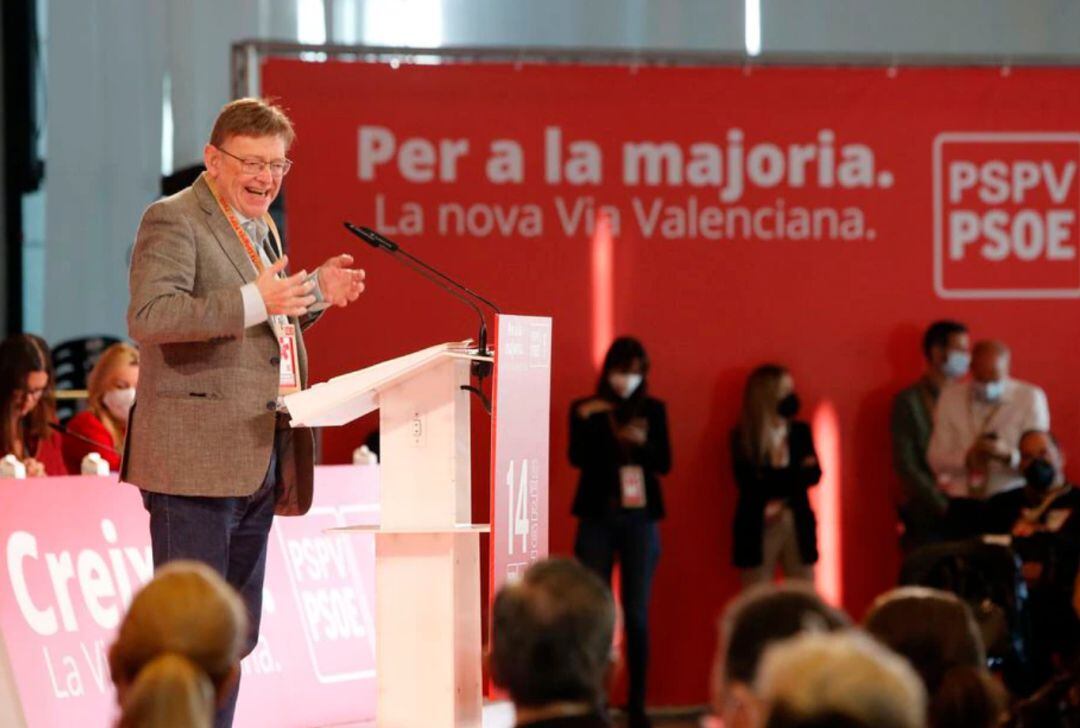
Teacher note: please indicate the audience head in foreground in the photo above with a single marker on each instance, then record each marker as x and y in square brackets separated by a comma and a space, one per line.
[759, 617]
[178, 649]
[551, 644]
[840, 680]
[936, 632]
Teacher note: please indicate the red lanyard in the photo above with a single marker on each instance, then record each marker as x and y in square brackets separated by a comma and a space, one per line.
[249, 247]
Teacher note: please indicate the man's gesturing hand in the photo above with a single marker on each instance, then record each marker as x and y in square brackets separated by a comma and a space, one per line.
[340, 284]
[284, 296]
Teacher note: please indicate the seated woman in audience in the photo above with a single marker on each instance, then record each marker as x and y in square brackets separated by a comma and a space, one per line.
[937, 633]
[775, 463]
[111, 390]
[178, 649]
[840, 680]
[29, 406]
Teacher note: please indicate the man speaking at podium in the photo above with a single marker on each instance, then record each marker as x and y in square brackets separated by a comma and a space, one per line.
[220, 328]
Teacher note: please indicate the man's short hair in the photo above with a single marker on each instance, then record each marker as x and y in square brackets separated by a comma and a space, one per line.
[939, 333]
[552, 635]
[254, 118]
[769, 613]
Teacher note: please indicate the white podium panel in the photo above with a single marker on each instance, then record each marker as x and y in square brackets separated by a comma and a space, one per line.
[427, 620]
[427, 554]
[424, 440]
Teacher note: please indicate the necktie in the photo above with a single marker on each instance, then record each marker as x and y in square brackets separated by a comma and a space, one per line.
[257, 232]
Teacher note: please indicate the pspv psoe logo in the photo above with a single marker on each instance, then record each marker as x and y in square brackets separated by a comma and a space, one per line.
[1005, 215]
[333, 593]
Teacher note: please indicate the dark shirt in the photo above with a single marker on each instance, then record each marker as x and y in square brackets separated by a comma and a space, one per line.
[759, 484]
[1055, 541]
[597, 452]
[1056, 705]
[593, 720]
[911, 424]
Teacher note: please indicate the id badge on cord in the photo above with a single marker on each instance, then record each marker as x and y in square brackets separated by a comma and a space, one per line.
[632, 486]
[289, 370]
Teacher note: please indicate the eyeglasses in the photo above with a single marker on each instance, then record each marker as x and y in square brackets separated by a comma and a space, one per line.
[278, 168]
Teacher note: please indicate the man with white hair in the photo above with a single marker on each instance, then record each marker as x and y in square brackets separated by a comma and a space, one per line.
[977, 427]
[840, 680]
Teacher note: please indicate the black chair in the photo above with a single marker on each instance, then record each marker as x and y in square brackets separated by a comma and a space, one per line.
[72, 361]
[988, 577]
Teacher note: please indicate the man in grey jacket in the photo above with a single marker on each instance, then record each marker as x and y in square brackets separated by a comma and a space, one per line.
[219, 325]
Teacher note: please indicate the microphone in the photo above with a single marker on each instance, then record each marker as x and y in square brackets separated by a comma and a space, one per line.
[480, 369]
[68, 433]
[376, 240]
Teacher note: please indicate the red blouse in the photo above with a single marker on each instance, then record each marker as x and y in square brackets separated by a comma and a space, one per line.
[88, 425]
[49, 452]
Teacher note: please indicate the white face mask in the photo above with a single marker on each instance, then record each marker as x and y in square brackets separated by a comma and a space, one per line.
[956, 364]
[989, 392]
[625, 384]
[119, 402]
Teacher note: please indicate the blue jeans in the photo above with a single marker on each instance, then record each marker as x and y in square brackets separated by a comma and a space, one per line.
[230, 535]
[632, 538]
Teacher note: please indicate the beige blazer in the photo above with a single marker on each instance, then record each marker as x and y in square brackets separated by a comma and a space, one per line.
[204, 421]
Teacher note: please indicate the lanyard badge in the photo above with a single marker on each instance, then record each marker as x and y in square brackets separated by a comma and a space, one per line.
[289, 369]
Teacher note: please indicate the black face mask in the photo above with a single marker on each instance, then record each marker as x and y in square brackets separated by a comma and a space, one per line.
[1040, 475]
[788, 407]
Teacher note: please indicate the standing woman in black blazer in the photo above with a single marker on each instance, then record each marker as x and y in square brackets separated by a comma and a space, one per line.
[619, 441]
[775, 463]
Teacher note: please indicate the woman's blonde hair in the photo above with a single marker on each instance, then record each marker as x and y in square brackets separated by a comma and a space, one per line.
[170, 691]
[97, 385]
[178, 645]
[761, 395]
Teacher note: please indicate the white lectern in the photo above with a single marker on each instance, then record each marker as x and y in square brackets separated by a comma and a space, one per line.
[427, 553]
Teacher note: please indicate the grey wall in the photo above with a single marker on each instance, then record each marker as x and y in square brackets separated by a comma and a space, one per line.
[106, 65]
[937, 27]
[623, 24]
[107, 61]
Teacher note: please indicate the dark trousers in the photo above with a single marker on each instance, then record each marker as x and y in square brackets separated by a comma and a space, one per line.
[229, 534]
[633, 539]
[921, 527]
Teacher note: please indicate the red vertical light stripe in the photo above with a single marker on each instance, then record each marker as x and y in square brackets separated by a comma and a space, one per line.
[602, 258]
[826, 500]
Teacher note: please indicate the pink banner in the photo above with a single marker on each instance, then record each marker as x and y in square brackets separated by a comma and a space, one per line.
[519, 445]
[78, 548]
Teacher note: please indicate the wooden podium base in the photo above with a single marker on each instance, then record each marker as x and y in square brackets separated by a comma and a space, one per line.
[427, 622]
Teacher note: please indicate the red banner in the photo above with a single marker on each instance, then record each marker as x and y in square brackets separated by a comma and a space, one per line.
[815, 217]
[78, 548]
